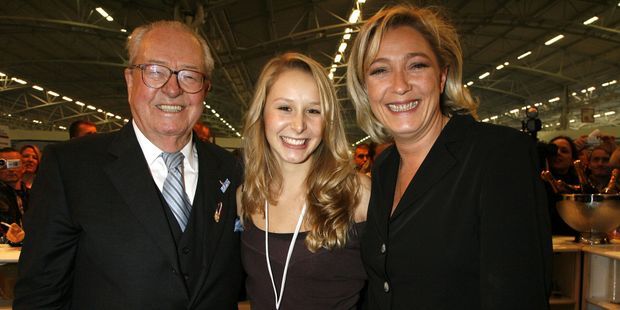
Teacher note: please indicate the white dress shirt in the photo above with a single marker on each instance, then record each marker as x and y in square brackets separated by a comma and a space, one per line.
[158, 168]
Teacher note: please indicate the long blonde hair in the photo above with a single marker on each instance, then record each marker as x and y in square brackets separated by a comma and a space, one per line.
[333, 187]
[443, 39]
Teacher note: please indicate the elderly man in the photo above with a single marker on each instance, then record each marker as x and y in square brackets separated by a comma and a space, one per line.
[142, 218]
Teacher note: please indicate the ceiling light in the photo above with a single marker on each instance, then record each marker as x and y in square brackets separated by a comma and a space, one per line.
[355, 15]
[342, 47]
[610, 113]
[554, 99]
[2, 74]
[506, 63]
[528, 53]
[66, 98]
[100, 110]
[123, 30]
[597, 115]
[515, 111]
[90, 107]
[484, 75]
[485, 120]
[338, 58]
[470, 83]
[53, 93]
[331, 75]
[361, 1]
[109, 18]
[591, 88]
[20, 81]
[117, 117]
[80, 103]
[591, 20]
[37, 87]
[500, 67]
[555, 39]
[494, 117]
[571, 121]
[62, 127]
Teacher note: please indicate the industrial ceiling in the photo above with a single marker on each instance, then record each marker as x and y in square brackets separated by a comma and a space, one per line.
[62, 60]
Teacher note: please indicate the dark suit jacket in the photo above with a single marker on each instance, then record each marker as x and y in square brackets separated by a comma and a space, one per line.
[470, 232]
[97, 236]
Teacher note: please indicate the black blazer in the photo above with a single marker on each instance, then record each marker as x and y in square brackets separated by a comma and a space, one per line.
[470, 232]
[97, 235]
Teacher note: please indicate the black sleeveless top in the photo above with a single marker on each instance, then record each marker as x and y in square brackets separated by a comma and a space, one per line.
[321, 280]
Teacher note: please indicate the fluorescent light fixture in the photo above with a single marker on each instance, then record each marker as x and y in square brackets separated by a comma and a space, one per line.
[126, 120]
[609, 83]
[514, 111]
[355, 15]
[597, 115]
[494, 117]
[213, 111]
[555, 39]
[2, 74]
[591, 88]
[109, 18]
[583, 91]
[361, 1]
[538, 104]
[506, 63]
[110, 114]
[528, 53]
[80, 103]
[590, 20]
[342, 47]
[557, 124]
[554, 99]
[20, 81]
[238, 135]
[100, 110]
[610, 113]
[117, 117]
[90, 107]
[102, 12]
[217, 114]
[572, 121]
[574, 94]
[207, 106]
[53, 93]
[485, 120]
[37, 87]
[338, 58]
[346, 36]
[62, 127]
[470, 83]
[331, 75]
[484, 75]
[65, 98]
[500, 67]
[123, 30]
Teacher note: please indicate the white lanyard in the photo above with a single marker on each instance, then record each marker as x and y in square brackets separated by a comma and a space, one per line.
[288, 256]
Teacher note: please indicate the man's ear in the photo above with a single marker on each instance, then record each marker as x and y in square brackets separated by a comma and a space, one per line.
[129, 81]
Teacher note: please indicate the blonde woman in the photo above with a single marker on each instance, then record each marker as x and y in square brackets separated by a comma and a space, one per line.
[457, 217]
[301, 201]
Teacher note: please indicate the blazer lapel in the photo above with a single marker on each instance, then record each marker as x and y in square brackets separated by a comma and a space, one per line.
[131, 176]
[210, 184]
[436, 166]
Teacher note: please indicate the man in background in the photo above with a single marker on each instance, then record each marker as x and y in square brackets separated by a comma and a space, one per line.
[13, 192]
[141, 218]
[362, 158]
[81, 128]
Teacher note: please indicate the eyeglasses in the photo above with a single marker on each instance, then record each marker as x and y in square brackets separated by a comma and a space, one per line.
[156, 76]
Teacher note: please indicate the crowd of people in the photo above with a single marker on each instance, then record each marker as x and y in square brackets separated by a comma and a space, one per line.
[154, 216]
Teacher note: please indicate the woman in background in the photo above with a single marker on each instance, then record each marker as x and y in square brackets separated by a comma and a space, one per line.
[31, 156]
[457, 216]
[302, 202]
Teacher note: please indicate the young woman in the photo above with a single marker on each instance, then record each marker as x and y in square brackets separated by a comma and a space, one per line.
[301, 200]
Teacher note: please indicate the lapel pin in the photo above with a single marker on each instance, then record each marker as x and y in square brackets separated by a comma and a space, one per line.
[218, 211]
[225, 185]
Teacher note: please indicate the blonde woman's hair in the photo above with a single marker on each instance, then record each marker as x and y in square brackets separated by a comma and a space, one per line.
[332, 184]
[135, 39]
[443, 39]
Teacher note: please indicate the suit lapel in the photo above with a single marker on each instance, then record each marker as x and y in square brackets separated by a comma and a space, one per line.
[131, 176]
[436, 166]
[210, 196]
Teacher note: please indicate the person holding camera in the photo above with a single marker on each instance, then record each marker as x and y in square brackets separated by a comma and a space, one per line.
[13, 194]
